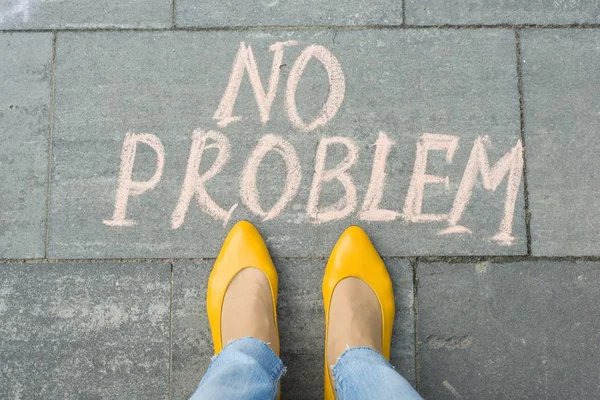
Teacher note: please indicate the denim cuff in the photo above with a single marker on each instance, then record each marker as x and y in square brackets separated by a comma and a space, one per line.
[361, 351]
[362, 372]
[260, 351]
[245, 368]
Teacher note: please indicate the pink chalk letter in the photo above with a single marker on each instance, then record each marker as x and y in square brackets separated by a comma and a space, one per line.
[337, 87]
[128, 187]
[370, 210]
[344, 206]
[413, 204]
[512, 164]
[245, 61]
[193, 183]
[249, 190]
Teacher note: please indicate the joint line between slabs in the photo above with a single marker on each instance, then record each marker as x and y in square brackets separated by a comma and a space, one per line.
[174, 28]
[414, 264]
[403, 13]
[173, 14]
[523, 140]
[422, 259]
[171, 307]
[50, 148]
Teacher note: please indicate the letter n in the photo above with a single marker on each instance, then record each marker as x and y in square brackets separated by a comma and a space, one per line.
[245, 61]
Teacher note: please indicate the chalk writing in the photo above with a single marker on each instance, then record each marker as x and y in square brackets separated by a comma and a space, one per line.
[249, 191]
[193, 183]
[414, 200]
[510, 165]
[344, 206]
[337, 87]
[127, 187]
[245, 61]
[370, 210]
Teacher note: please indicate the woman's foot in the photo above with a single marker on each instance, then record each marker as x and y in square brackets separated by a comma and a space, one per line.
[248, 309]
[354, 318]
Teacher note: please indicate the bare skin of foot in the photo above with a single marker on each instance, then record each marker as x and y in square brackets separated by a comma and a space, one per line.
[248, 309]
[354, 318]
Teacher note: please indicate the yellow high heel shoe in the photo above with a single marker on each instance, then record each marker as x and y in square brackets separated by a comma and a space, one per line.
[243, 248]
[355, 256]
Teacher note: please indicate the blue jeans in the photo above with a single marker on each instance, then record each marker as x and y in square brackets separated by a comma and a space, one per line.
[247, 369]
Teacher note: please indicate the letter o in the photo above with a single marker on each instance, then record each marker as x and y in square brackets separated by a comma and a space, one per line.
[248, 189]
[337, 87]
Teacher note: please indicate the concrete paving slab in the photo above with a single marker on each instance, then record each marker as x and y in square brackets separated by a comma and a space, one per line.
[526, 330]
[214, 13]
[66, 14]
[446, 96]
[300, 313]
[25, 74]
[561, 82]
[84, 331]
[490, 12]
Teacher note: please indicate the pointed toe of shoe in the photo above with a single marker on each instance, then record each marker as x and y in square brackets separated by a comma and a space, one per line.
[354, 255]
[243, 248]
[244, 245]
[353, 247]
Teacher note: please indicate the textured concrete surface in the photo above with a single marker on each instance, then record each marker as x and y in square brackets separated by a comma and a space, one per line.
[509, 330]
[490, 12]
[84, 331]
[214, 13]
[561, 82]
[67, 14]
[25, 75]
[404, 83]
[301, 325]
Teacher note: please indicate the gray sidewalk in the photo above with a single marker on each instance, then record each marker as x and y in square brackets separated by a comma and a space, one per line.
[463, 136]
